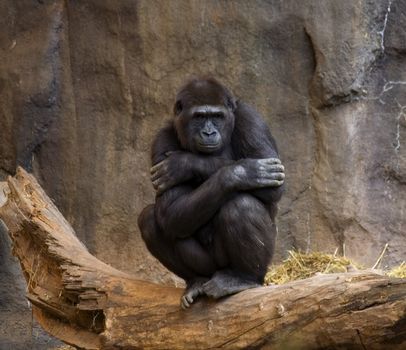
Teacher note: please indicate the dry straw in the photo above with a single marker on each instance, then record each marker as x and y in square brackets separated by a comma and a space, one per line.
[300, 266]
[399, 272]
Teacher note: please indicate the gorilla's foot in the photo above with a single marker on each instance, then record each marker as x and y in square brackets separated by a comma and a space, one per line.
[194, 288]
[226, 282]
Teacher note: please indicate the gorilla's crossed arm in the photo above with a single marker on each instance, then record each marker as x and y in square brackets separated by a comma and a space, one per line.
[184, 209]
[218, 178]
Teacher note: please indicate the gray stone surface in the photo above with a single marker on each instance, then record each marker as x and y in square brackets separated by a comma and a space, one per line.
[84, 86]
[18, 330]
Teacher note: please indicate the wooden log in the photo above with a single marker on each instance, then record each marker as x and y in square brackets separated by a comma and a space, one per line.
[88, 304]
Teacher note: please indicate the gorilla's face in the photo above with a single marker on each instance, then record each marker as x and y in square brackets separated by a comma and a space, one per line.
[204, 118]
[208, 127]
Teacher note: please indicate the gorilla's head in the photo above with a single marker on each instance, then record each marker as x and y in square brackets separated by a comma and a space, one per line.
[204, 116]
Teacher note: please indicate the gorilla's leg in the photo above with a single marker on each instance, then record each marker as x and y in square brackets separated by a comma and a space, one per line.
[195, 257]
[194, 254]
[244, 240]
[159, 246]
[185, 257]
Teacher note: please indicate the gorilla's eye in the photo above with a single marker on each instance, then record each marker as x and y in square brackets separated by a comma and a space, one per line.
[218, 115]
[178, 107]
[200, 115]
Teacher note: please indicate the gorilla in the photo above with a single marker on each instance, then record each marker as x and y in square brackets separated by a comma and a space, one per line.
[218, 178]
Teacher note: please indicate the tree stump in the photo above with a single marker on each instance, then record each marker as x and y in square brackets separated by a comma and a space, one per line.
[89, 304]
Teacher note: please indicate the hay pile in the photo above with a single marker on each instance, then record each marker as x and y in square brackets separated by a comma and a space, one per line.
[399, 271]
[300, 266]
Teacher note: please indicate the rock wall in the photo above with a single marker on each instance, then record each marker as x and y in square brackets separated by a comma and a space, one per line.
[85, 85]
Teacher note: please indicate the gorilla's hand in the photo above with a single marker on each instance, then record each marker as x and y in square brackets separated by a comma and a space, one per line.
[173, 170]
[248, 174]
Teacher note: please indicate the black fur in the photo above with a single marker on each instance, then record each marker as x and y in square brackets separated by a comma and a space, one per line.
[218, 178]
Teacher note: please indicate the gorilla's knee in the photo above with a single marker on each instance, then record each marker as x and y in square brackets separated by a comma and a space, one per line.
[242, 207]
[147, 224]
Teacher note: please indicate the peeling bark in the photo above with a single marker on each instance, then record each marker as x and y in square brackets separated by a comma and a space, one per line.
[88, 304]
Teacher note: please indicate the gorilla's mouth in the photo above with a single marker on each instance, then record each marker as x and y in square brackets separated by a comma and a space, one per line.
[208, 147]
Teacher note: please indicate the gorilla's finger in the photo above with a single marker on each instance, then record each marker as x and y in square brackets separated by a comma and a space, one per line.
[262, 162]
[189, 298]
[272, 174]
[184, 303]
[157, 166]
[160, 182]
[270, 183]
[275, 168]
[159, 173]
[271, 161]
[165, 183]
[160, 189]
[155, 183]
[264, 174]
[268, 162]
[278, 176]
[155, 177]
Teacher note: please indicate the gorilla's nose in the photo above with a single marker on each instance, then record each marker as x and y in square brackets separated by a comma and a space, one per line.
[209, 132]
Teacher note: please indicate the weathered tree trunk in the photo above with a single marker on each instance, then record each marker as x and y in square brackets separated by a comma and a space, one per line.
[91, 305]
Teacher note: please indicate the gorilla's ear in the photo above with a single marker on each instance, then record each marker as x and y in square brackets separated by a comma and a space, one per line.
[231, 103]
[178, 107]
